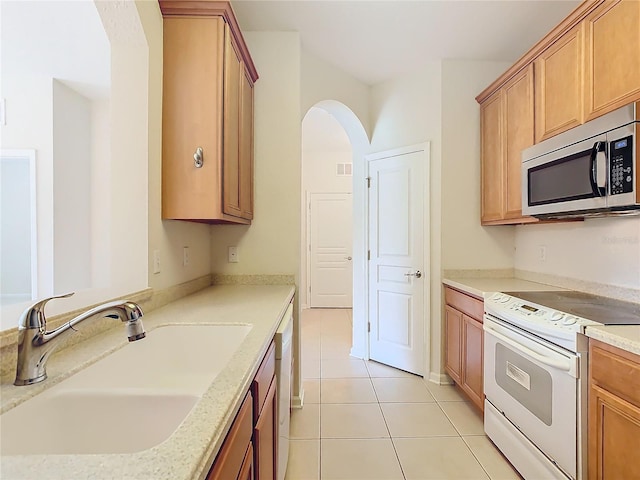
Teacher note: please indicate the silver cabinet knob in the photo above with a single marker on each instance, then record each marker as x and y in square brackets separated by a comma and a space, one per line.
[198, 157]
[417, 274]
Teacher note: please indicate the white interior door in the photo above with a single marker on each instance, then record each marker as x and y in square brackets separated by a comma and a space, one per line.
[398, 273]
[331, 271]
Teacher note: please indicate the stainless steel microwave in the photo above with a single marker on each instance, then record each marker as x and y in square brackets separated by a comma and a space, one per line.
[591, 170]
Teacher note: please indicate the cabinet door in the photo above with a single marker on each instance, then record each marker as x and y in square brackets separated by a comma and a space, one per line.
[519, 133]
[453, 332]
[191, 116]
[472, 358]
[246, 471]
[614, 430]
[265, 438]
[612, 56]
[559, 85]
[231, 151]
[246, 146]
[232, 456]
[492, 158]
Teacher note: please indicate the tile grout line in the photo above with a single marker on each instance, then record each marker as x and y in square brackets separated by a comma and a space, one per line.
[395, 451]
[475, 456]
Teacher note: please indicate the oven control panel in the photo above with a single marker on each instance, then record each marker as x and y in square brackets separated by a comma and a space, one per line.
[558, 327]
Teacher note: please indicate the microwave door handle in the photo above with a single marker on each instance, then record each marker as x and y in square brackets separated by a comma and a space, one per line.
[598, 191]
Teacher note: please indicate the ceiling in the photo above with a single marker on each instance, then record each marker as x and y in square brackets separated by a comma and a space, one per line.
[376, 41]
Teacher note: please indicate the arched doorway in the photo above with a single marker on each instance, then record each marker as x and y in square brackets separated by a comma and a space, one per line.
[344, 126]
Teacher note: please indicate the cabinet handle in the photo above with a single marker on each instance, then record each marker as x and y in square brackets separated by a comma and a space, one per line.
[198, 158]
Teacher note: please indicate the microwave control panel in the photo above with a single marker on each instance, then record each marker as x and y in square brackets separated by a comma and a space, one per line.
[621, 171]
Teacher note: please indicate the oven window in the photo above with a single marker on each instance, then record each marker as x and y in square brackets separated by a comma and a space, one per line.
[562, 180]
[530, 385]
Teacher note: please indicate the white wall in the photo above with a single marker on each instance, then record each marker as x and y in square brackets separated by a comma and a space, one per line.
[491, 247]
[72, 200]
[324, 144]
[599, 250]
[271, 244]
[323, 81]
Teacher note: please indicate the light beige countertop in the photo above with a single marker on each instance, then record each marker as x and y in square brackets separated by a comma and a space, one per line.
[626, 337]
[187, 453]
[478, 287]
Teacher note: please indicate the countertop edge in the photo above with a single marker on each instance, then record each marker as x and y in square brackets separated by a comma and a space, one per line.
[617, 336]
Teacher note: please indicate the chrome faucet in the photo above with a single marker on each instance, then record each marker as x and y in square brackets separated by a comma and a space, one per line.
[35, 344]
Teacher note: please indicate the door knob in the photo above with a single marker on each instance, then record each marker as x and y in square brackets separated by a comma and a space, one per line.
[417, 274]
[347, 258]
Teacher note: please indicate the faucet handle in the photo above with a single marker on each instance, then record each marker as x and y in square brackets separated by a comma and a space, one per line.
[33, 317]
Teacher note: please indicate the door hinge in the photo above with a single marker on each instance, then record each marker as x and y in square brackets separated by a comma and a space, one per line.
[369, 327]
[368, 182]
[368, 254]
[309, 288]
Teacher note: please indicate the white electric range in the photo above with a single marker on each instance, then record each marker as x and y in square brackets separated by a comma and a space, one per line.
[535, 371]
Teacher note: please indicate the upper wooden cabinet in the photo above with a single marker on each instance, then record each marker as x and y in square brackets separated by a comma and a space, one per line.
[207, 117]
[559, 86]
[612, 57]
[506, 124]
[587, 66]
[491, 122]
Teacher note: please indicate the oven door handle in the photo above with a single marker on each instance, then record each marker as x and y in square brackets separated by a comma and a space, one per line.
[565, 365]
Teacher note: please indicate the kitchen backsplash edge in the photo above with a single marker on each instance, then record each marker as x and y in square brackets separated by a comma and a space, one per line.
[625, 294]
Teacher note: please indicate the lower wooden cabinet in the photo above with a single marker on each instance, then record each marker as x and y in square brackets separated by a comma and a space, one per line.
[247, 472]
[231, 462]
[249, 451]
[614, 413]
[464, 339]
[265, 413]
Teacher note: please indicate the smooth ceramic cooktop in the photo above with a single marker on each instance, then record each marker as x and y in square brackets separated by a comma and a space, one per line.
[603, 310]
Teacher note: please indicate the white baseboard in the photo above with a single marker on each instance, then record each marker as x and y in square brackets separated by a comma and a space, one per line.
[297, 401]
[440, 378]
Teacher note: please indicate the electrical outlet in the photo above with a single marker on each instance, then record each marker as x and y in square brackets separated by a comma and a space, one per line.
[542, 253]
[233, 255]
[185, 256]
[156, 261]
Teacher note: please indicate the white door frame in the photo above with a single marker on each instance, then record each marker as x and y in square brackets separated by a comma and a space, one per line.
[307, 276]
[425, 148]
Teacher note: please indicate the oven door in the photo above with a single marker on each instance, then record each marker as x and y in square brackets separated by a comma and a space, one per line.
[570, 179]
[534, 384]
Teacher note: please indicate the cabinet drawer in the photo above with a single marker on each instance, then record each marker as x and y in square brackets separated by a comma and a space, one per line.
[464, 303]
[231, 456]
[262, 380]
[615, 370]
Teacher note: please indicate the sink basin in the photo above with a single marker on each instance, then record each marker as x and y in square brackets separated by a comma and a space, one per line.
[79, 422]
[129, 401]
[173, 358]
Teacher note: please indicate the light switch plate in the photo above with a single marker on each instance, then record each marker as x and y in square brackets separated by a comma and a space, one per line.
[233, 255]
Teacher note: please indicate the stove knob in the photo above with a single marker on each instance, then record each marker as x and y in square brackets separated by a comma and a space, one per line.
[570, 320]
[555, 316]
[504, 299]
[497, 297]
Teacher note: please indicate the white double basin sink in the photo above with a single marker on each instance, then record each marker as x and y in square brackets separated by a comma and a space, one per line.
[129, 401]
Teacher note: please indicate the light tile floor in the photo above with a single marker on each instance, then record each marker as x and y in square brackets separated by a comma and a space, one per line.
[364, 420]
